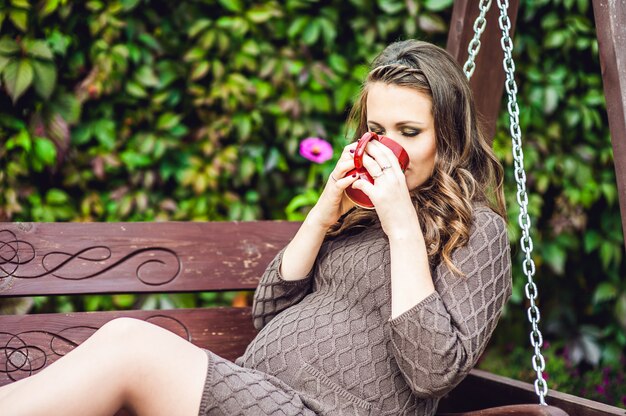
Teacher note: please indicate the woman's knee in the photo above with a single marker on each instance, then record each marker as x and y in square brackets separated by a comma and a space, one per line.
[125, 336]
[122, 329]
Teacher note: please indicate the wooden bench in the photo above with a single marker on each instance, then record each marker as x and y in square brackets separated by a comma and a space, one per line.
[106, 258]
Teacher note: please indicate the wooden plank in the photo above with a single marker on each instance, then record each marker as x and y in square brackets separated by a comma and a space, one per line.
[610, 17]
[485, 390]
[29, 343]
[69, 258]
[513, 410]
[487, 83]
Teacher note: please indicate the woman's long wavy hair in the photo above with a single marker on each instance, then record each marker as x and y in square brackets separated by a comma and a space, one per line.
[466, 172]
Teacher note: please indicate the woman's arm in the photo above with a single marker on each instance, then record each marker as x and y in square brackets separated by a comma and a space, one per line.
[301, 252]
[411, 281]
[288, 278]
[275, 294]
[438, 341]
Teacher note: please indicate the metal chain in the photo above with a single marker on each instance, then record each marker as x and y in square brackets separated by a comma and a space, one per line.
[474, 46]
[536, 339]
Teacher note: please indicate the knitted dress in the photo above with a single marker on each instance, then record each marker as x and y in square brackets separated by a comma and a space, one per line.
[327, 344]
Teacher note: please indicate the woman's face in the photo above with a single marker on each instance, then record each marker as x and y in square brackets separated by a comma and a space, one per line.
[405, 116]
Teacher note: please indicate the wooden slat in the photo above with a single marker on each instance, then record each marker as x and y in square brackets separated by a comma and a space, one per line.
[513, 410]
[29, 343]
[484, 390]
[69, 258]
[610, 17]
[487, 83]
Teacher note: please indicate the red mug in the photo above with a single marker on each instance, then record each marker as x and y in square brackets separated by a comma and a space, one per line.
[356, 195]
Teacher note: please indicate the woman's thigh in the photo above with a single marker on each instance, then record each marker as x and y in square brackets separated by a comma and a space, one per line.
[165, 374]
[126, 363]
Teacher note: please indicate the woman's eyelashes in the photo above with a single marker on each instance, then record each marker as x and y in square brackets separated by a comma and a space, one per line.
[406, 133]
[410, 133]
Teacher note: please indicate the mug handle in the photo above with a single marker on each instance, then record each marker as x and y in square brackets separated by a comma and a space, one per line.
[360, 149]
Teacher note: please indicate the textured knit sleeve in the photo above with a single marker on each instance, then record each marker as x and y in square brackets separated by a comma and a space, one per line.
[274, 294]
[438, 341]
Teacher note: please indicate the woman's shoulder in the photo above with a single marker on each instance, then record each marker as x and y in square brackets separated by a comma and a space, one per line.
[486, 220]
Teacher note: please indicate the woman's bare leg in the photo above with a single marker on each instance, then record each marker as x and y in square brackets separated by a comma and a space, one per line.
[128, 363]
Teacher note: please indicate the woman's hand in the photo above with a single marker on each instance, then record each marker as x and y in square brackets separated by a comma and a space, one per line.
[333, 202]
[389, 193]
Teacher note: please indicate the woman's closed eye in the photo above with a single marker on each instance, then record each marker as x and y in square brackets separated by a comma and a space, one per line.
[406, 133]
[410, 133]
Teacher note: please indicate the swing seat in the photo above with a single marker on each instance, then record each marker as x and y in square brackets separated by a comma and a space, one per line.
[513, 410]
[41, 259]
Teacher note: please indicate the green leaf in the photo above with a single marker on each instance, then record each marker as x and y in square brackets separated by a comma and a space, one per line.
[432, 23]
[134, 160]
[38, 49]
[45, 150]
[338, 63]
[605, 291]
[607, 254]
[391, 6]
[48, 7]
[620, 311]
[555, 255]
[298, 26]
[123, 301]
[128, 5]
[555, 39]
[45, 78]
[104, 130]
[56, 197]
[22, 4]
[195, 54]
[4, 62]
[19, 19]
[199, 70]
[146, 76]
[18, 75]
[8, 47]
[198, 26]
[261, 14]
[59, 42]
[21, 139]
[592, 241]
[329, 31]
[68, 106]
[81, 134]
[136, 90]
[151, 42]
[232, 5]
[167, 121]
[438, 5]
[311, 33]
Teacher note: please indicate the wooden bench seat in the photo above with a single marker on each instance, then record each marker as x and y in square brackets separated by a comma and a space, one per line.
[104, 258]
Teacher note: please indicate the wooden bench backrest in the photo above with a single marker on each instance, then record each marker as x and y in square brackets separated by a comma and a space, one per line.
[103, 258]
[72, 258]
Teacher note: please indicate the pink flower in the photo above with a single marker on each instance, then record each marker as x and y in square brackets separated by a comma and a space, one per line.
[316, 150]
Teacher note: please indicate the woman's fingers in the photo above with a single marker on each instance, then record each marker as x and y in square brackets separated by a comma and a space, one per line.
[365, 186]
[343, 182]
[382, 154]
[343, 167]
[338, 175]
[374, 168]
[348, 151]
